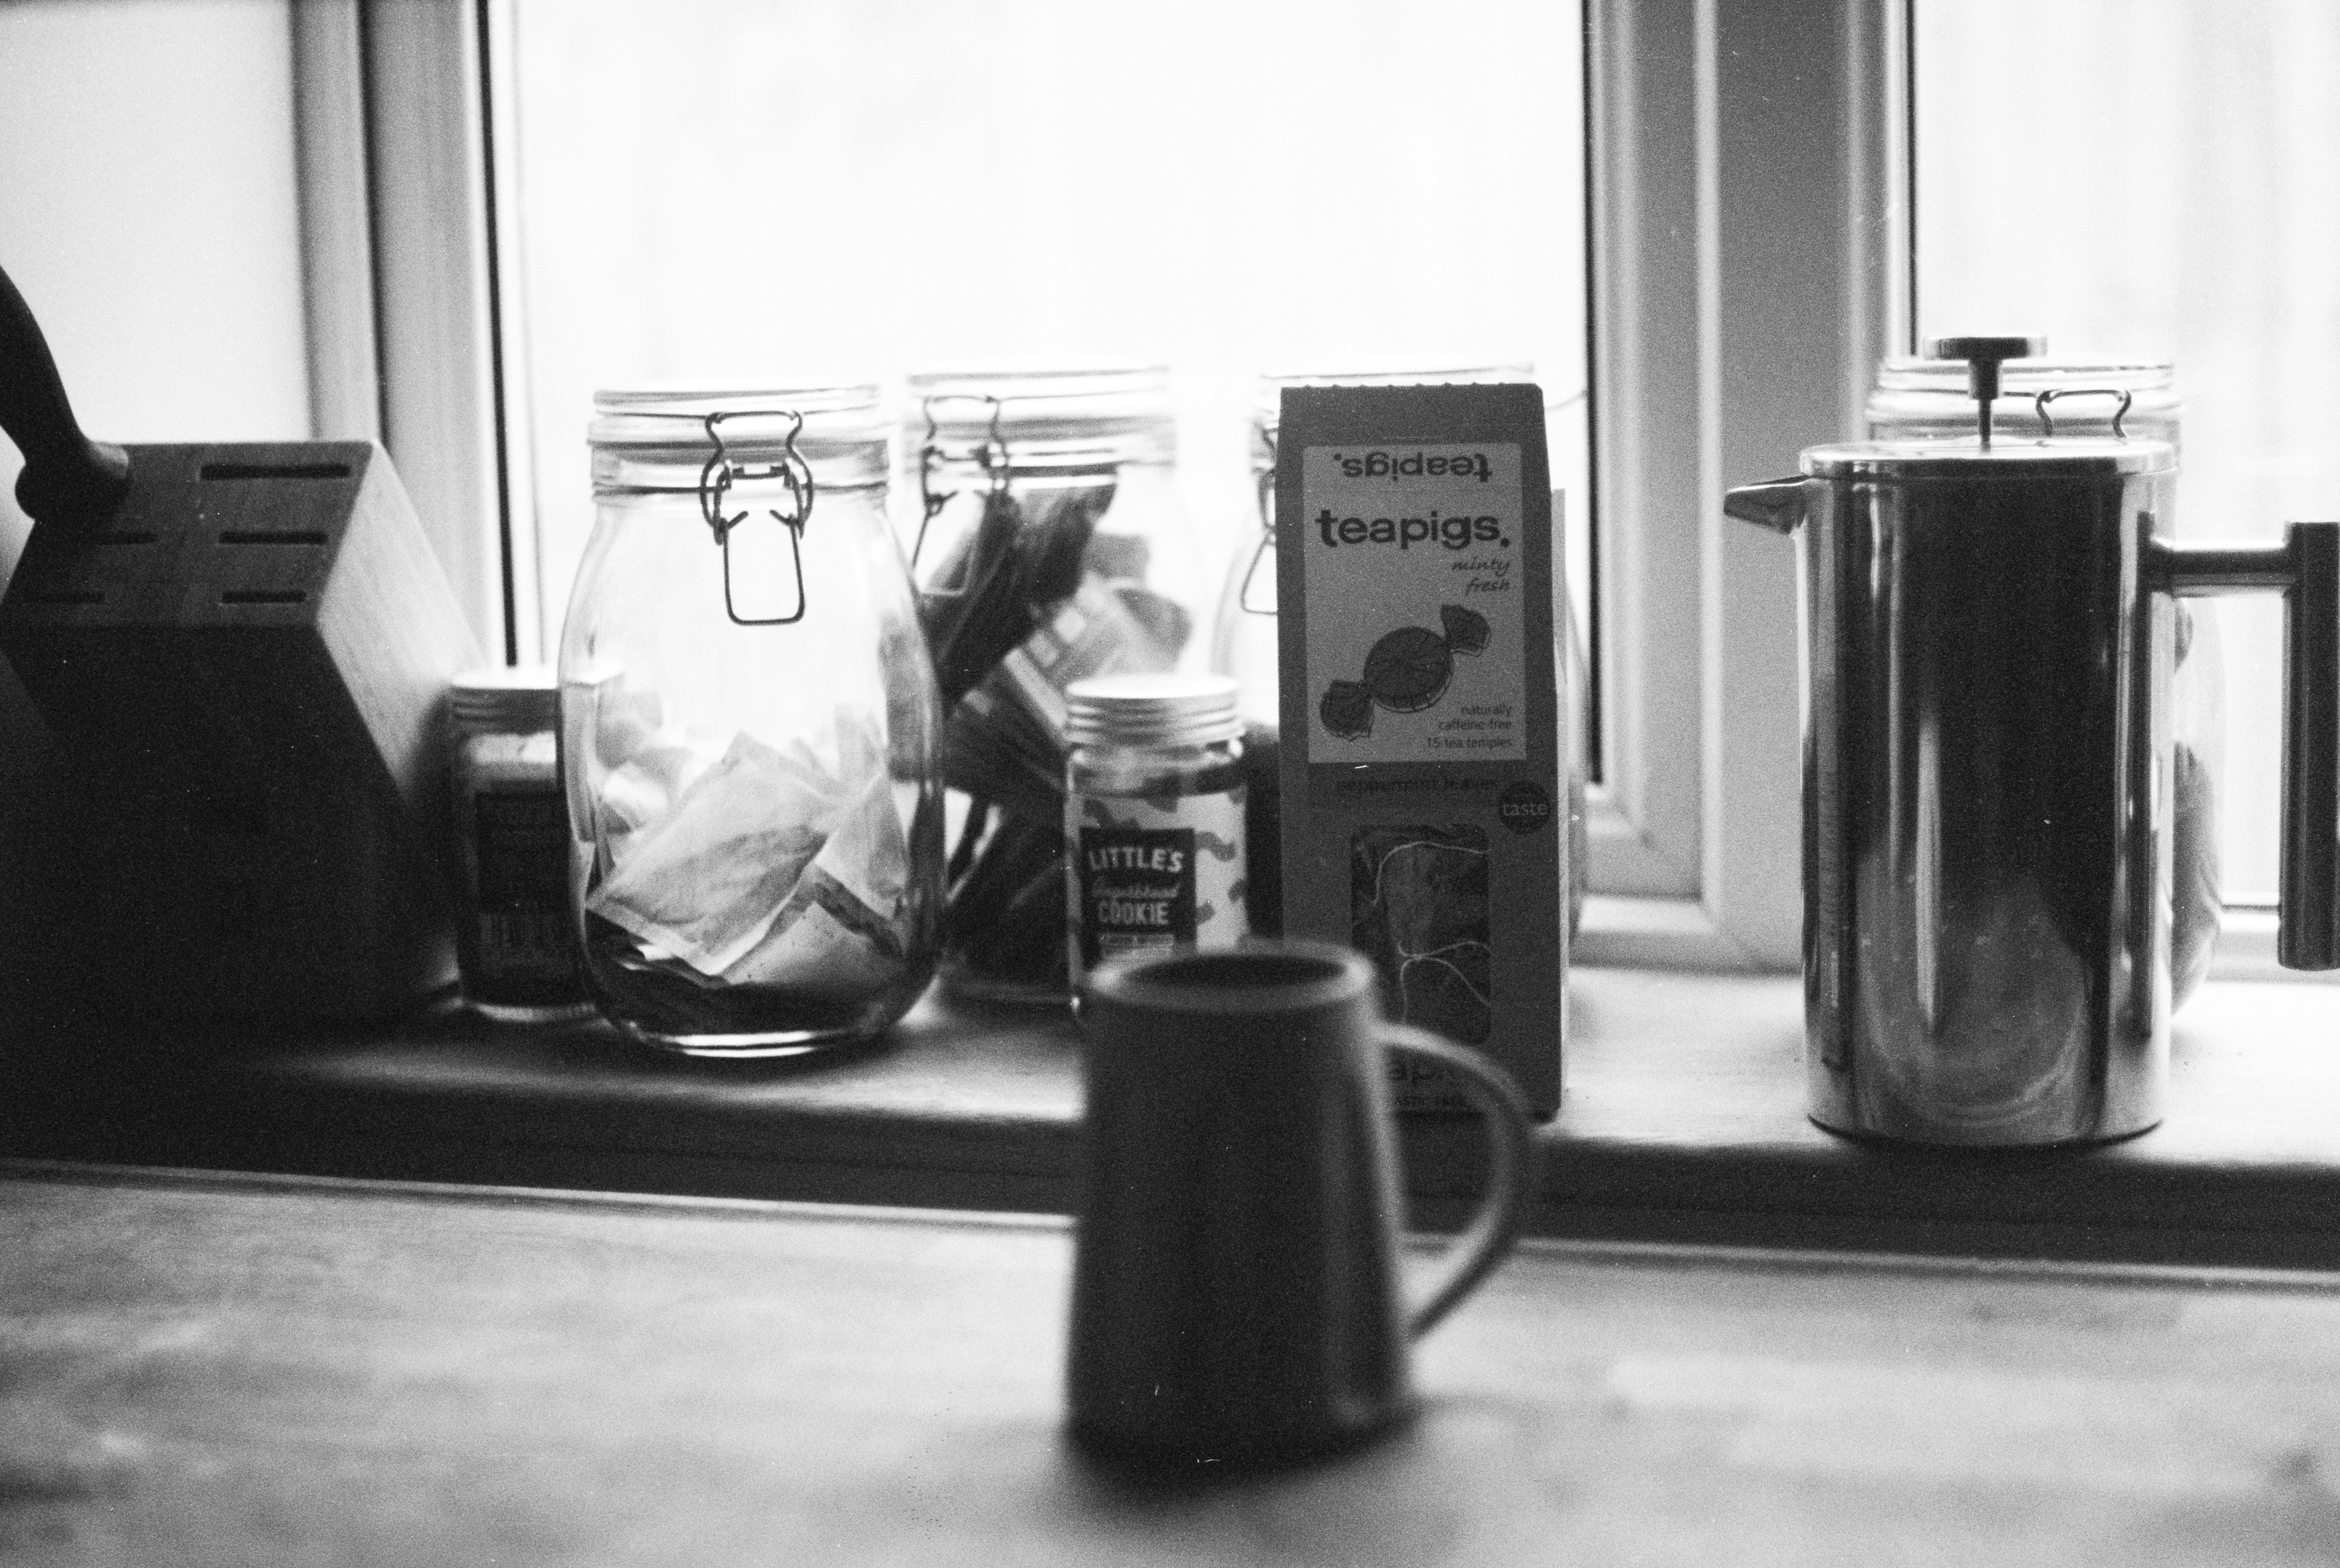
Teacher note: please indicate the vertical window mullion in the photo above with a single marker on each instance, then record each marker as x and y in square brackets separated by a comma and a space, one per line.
[1750, 248]
[428, 153]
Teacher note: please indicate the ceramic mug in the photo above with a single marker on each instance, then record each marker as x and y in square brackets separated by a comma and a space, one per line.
[1236, 1289]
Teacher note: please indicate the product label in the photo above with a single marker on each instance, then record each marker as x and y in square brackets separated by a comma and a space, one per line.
[1422, 547]
[1155, 873]
[522, 841]
[520, 848]
[1420, 785]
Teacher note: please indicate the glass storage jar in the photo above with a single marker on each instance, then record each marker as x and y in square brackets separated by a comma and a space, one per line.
[750, 731]
[1244, 631]
[1920, 398]
[515, 948]
[1049, 546]
[1154, 792]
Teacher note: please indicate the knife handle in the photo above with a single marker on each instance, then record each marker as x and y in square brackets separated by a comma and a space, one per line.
[68, 479]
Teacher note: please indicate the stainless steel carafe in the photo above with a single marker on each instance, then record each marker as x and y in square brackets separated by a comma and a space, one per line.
[1989, 629]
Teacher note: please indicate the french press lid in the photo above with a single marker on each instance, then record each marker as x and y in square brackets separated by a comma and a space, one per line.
[1983, 456]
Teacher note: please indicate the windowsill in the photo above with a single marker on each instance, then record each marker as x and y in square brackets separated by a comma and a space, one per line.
[1683, 1121]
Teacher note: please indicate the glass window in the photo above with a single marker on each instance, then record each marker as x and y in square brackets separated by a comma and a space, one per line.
[2157, 179]
[741, 188]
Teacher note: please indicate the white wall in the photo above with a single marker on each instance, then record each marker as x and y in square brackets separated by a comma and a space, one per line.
[149, 214]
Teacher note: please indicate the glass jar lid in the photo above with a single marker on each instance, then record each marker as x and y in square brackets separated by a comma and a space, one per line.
[504, 699]
[1155, 710]
[1967, 458]
[662, 437]
[2032, 396]
[1044, 418]
[2025, 377]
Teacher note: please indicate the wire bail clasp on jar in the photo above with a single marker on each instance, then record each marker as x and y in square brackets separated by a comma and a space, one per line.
[2048, 395]
[721, 473]
[1265, 484]
[991, 457]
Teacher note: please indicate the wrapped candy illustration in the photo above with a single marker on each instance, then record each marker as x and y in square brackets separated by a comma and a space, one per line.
[1407, 671]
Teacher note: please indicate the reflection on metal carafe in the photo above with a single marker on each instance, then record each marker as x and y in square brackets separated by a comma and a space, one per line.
[1986, 924]
[1989, 775]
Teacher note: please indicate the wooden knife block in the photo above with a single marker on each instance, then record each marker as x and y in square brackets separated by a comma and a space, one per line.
[243, 670]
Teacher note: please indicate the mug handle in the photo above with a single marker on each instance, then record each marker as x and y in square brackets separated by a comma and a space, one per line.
[1511, 1171]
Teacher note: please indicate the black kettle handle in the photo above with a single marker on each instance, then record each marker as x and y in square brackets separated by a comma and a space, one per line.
[2306, 568]
[68, 479]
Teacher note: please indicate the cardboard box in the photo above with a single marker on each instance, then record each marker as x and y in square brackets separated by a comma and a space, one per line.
[1425, 818]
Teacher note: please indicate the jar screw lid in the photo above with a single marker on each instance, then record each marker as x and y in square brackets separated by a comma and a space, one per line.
[504, 699]
[1155, 710]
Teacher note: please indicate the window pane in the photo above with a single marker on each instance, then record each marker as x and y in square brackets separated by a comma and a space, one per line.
[2157, 178]
[746, 189]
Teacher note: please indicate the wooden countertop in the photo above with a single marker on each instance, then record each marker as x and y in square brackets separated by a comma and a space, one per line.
[1683, 1122]
[251, 1371]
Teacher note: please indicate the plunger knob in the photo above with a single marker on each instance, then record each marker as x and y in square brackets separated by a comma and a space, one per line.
[1983, 357]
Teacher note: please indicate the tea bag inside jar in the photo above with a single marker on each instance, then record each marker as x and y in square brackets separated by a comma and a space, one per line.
[772, 866]
[642, 762]
[841, 927]
[705, 881]
[825, 938]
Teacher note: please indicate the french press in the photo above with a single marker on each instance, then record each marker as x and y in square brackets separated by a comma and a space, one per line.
[1989, 629]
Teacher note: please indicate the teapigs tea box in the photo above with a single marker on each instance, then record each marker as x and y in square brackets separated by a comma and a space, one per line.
[1425, 820]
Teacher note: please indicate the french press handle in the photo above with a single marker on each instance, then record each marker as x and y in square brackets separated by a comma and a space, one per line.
[2306, 569]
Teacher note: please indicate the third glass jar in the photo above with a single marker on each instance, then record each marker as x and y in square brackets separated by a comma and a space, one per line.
[1928, 399]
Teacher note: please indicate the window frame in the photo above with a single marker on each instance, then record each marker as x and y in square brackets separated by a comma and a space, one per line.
[1697, 641]
[1750, 228]
[410, 332]
[1749, 173]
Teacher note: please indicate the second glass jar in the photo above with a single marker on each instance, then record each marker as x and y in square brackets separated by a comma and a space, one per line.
[1929, 399]
[1049, 546]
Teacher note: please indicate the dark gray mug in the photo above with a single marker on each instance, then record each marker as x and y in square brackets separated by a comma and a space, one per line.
[1236, 1291]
